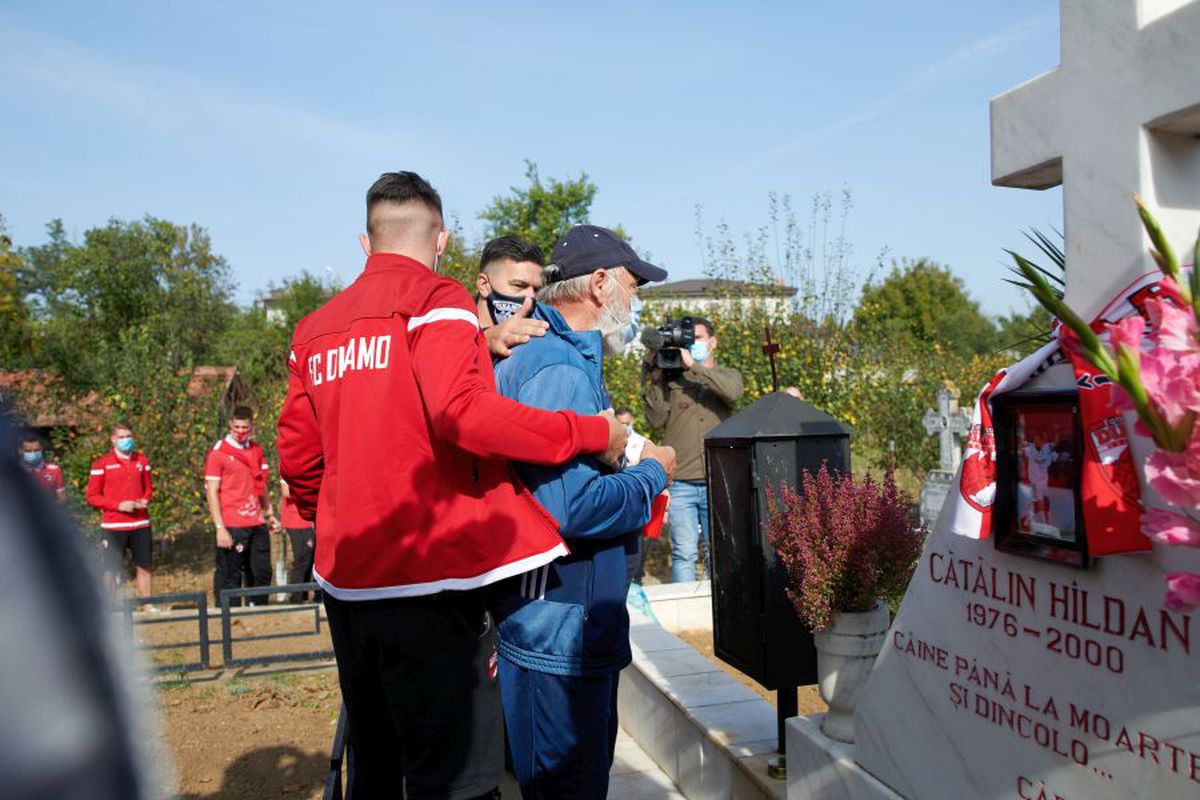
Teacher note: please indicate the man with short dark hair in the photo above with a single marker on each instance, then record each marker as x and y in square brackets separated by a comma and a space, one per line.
[120, 486]
[510, 273]
[393, 436]
[235, 485]
[686, 405]
[564, 628]
[47, 475]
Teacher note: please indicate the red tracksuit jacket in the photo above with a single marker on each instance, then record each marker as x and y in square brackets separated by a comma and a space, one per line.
[114, 479]
[393, 433]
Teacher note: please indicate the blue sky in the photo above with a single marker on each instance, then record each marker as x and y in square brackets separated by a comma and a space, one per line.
[265, 122]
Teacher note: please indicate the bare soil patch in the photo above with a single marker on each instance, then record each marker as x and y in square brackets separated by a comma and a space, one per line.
[253, 732]
[250, 738]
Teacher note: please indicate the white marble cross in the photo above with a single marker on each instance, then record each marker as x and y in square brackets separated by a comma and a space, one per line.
[947, 422]
[1120, 114]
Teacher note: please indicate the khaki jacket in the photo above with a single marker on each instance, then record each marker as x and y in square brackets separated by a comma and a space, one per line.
[687, 407]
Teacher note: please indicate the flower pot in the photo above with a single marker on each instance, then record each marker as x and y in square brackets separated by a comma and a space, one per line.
[845, 655]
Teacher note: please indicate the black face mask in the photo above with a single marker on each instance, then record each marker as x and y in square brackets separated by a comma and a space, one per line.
[502, 306]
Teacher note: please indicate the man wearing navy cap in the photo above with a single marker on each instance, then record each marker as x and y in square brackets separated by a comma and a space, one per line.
[563, 628]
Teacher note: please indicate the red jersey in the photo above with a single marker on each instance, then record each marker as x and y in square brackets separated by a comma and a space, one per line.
[50, 476]
[115, 479]
[393, 435]
[241, 473]
[289, 515]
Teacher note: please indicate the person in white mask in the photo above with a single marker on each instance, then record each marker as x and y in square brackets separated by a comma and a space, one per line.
[563, 629]
[686, 404]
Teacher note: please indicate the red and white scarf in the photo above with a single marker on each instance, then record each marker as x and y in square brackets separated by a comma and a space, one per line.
[1111, 497]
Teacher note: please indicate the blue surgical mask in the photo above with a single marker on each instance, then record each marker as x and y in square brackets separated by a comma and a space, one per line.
[32, 457]
[635, 317]
[125, 444]
[699, 351]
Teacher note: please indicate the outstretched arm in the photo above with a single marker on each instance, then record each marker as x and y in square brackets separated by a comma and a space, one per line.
[463, 409]
[600, 503]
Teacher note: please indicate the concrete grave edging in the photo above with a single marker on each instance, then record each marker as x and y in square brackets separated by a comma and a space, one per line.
[710, 734]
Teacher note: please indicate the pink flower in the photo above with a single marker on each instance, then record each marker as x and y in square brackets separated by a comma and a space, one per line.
[1175, 327]
[1172, 380]
[1168, 527]
[1183, 591]
[1128, 332]
[1176, 476]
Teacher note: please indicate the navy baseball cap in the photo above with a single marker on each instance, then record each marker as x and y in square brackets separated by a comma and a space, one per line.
[587, 248]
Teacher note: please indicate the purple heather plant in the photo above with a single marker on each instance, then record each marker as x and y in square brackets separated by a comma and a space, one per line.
[844, 543]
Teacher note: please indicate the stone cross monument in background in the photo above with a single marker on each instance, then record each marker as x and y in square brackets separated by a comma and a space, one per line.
[1119, 115]
[948, 423]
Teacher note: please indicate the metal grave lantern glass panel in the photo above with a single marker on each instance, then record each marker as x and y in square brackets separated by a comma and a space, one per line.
[748, 457]
[1039, 447]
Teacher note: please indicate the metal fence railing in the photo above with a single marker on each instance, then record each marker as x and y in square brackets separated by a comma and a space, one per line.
[203, 641]
[201, 601]
[227, 640]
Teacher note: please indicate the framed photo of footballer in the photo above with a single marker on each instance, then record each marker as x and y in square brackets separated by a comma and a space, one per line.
[1039, 446]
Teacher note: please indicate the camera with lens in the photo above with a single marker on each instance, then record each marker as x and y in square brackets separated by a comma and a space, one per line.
[667, 342]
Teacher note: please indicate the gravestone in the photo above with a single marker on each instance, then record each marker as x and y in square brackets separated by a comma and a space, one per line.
[948, 423]
[1005, 677]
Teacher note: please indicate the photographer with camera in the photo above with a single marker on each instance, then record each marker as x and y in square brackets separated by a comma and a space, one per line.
[686, 394]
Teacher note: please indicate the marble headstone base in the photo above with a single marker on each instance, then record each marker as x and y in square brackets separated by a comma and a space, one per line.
[820, 767]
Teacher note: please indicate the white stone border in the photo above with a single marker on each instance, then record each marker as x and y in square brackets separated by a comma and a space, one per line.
[710, 734]
[819, 767]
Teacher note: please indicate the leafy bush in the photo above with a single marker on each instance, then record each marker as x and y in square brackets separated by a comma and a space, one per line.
[849, 364]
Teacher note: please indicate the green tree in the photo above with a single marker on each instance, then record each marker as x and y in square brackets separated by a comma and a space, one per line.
[542, 211]
[149, 275]
[173, 426]
[257, 341]
[461, 257]
[924, 302]
[14, 315]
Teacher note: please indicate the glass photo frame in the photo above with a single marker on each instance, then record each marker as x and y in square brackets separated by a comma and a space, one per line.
[1039, 449]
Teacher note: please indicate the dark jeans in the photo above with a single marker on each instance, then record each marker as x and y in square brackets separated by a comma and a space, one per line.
[418, 681]
[304, 544]
[247, 563]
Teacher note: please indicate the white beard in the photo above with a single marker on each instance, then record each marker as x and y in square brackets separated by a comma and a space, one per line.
[614, 343]
[612, 328]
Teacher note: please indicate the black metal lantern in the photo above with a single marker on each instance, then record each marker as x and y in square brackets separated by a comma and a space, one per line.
[767, 446]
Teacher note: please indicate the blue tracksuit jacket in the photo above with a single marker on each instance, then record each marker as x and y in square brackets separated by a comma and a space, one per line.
[569, 617]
